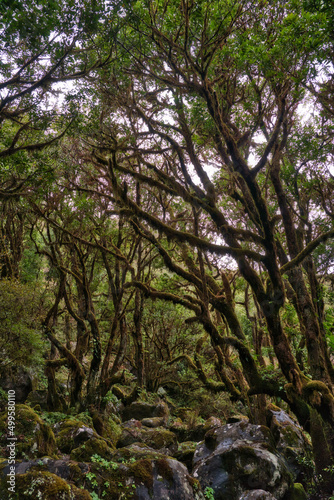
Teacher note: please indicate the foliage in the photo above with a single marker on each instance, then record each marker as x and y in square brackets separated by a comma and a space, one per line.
[20, 336]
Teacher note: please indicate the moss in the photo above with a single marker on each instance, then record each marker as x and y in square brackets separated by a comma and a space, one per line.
[93, 446]
[165, 470]
[35, 437]
[112, 430]
[185, 453]
[194, 483]
[65, 437]
[298, 492]
[46, 486]
[136, 451]
[159, 438]
[142, 470]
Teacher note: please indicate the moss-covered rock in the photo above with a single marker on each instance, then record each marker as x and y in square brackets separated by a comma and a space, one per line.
[136, 451]
[112, 429]
[93, 446]
[298, 492]
[153, 422]
[142, 409]
[159, 438]
[239, 457]
[42, 485]
[185, 453]
[291, 442]
[72, 433]
[35, 438]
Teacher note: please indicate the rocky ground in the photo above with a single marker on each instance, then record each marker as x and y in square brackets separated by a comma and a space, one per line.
[146, 451]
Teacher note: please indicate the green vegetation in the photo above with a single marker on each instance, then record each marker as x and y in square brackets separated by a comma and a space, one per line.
[166, 198]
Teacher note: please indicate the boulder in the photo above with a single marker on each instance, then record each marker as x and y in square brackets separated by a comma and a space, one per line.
[18, 379]
[38, 398]
[153, 422]
[185, 453]
[158, 438]
[139, 410]
[291, 442]
[43, 485]
[93, 446]
[239, 457]
[166, 479]
[257, 495]
[186, 433]
[125, 476]
[71, 434]
[35, 438]
[212, 423]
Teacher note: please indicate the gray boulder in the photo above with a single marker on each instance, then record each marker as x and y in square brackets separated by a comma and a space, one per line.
[18, 379]
[139, 410]
[169, 480]
[290, 442]
[257, 495]
[240, 457]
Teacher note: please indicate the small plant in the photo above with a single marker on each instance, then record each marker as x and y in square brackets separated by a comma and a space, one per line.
[209, 493]
[97, 459]
[92, 478]
[94, 496]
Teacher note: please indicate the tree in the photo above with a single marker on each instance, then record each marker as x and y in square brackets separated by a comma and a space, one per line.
[219, 86]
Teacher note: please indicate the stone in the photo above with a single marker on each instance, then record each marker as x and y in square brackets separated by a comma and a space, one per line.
[165, 479]
[38, 397]
[139, 410]
[71, 433]
[158, 438]
[93, 446]
[239, 457]
[35, 438]
[18, 379]
[212, 423]
[42, 485]
[153, 422]
[185, 453]
[290, 441]
[257, 495]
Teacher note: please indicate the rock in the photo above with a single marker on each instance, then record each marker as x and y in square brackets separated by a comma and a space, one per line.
[237, 418]
[38, 397]
[71, 434]
[185, 453]
[164, 479]
[18, 379]
[139, 475]
[42, 485]
[257, 495]
[94, 446]
[239, 457]
[62, 468]
[35, 438]
[161, 392]
[112, 429]
[212, 423]
[159, 438]
[290, 441]
[298, 492]
[184, 433]
[136, 451]
[139, 410]
[82, 434]
[153, 422]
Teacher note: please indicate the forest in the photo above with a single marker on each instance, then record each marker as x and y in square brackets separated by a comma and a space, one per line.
[166, 242]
